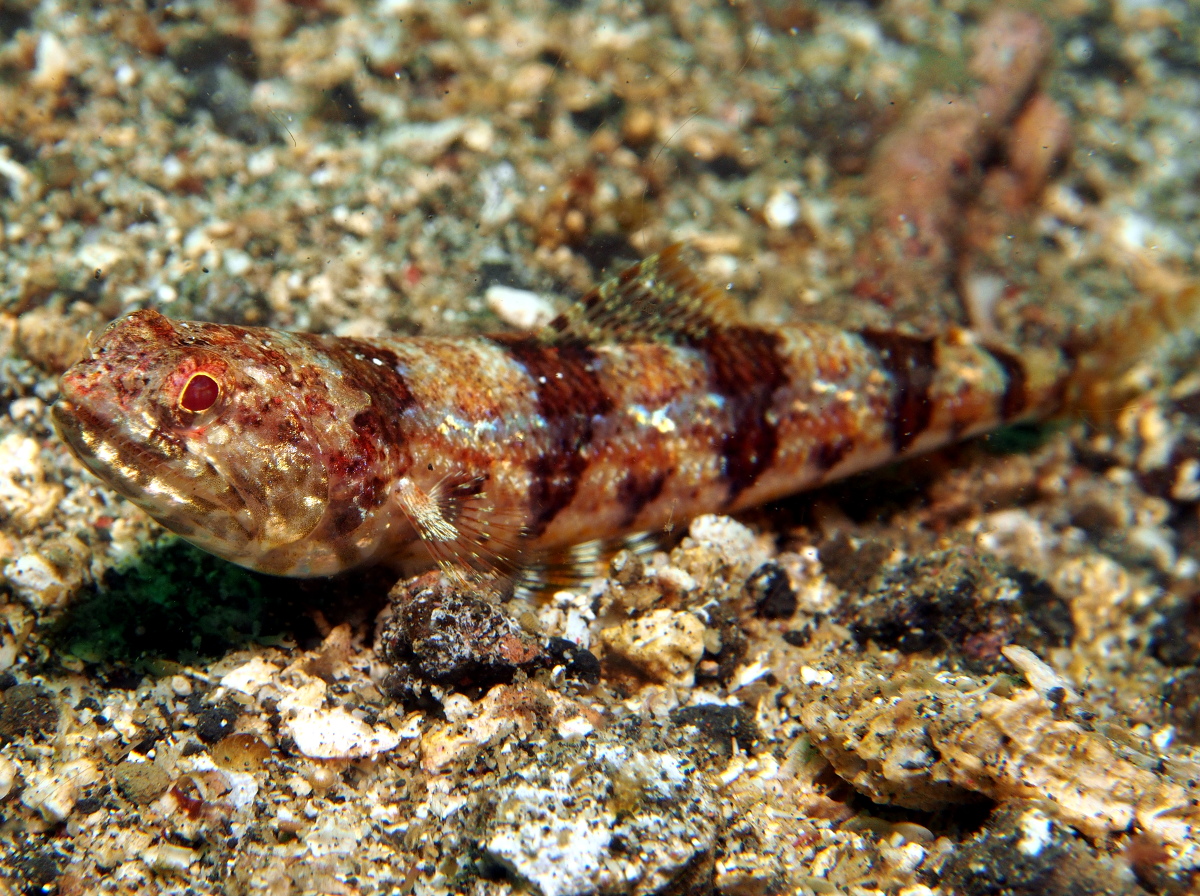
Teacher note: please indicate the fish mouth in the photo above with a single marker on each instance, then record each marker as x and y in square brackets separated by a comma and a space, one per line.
[66, 424]
[148, 479]
[78, 429]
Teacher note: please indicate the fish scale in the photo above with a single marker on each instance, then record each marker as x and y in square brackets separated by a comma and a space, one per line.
[649, 402]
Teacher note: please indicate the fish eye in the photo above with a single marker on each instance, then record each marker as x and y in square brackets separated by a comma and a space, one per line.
[200, 393]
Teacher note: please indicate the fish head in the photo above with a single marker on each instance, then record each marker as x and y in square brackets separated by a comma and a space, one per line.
[204, 428]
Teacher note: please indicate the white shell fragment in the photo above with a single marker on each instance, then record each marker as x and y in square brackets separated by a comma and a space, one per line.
[249, 677]
[336, 734]
[519, 308]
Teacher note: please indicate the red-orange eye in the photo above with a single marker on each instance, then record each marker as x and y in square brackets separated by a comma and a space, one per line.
[200, 393]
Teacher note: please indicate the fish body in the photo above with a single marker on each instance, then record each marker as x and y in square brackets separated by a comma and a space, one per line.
[648, 403]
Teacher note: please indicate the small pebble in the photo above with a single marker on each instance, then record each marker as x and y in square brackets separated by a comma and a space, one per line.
[782, 210]
[140, 782]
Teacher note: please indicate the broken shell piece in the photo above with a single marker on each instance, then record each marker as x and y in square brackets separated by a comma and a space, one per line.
[1041, 677]
[901, 735]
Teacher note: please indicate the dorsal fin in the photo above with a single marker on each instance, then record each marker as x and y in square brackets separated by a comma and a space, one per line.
[659, 298]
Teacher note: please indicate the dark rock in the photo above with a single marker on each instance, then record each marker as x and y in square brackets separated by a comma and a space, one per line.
[343, 105]
[214, 722]
[221, 69]
[771, 592]
[733, 642]
[500, 273]
[1175, 639]
[727, 167]
[191, 748]
[1048, 612]
[89, 804]
[606, 252]
[1097, 517]
[213, 50]
[590, 118]
[1023, 853]
[799, 637]
[851, 564]
[720, 726]
[1181, 705]
[454, 635]
[119, 678]
[581, 664]
[38, 866]
[145, 745]
[14, 16]
[227, 97]
[961, 604]
[27, 709]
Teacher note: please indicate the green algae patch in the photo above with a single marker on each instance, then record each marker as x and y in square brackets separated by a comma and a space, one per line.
[176, 604]
[1020, 438]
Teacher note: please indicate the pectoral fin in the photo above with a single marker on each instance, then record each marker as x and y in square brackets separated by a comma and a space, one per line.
[460, 527]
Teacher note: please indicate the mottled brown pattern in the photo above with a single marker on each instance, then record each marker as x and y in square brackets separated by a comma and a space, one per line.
[374, 371]
[324, 453]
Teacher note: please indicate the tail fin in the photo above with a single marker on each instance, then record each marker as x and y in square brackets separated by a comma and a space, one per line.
[1138, 349]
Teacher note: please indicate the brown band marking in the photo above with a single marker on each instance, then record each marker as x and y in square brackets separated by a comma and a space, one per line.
[744, 368]
[570, 397]
[636, 489]
[828, 455]
[1015, 398]
[910, 362]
